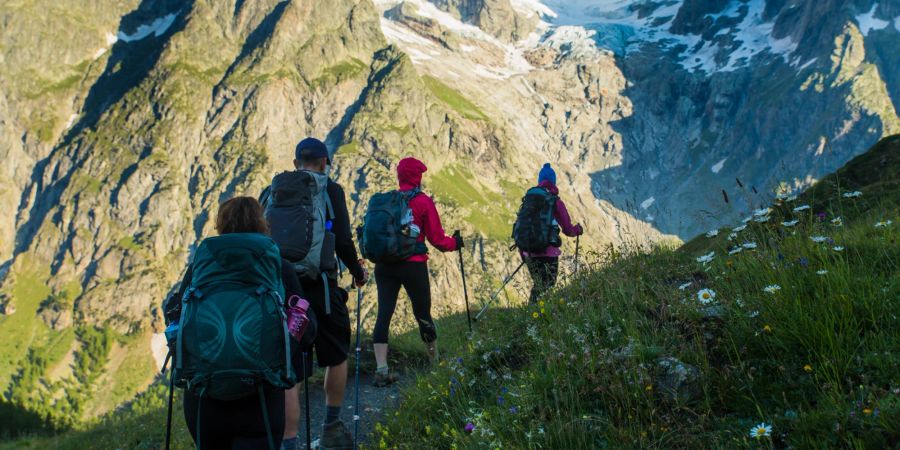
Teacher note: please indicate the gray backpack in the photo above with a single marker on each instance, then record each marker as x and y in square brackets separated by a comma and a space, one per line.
[299, 213]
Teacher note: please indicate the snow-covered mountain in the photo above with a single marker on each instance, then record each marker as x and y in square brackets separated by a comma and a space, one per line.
[686, 98]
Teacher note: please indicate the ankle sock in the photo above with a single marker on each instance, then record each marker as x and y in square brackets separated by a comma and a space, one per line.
[332, 414]
[382, 370]
[289, 444]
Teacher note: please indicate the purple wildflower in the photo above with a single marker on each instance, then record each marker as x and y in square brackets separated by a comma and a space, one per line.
[514, 409]
[500, 400]
[470, 427]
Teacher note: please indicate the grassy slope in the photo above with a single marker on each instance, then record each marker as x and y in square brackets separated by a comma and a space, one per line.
[816, 359]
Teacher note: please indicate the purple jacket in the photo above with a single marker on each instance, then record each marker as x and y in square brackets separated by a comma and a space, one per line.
[561, 214]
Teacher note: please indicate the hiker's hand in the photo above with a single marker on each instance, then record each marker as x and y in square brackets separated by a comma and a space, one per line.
[459, 240]
[360, 282]
[579, 230]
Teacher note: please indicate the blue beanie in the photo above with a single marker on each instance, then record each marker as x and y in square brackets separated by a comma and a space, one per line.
[547, 174]
[311, 148]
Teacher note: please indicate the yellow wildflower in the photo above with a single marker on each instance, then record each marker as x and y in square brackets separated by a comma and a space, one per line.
[648, 388]
[807, 368]
[535, 315]
[867, 411]
[767, 329]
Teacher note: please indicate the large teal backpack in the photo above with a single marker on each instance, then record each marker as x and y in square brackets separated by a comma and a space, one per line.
[233, 339]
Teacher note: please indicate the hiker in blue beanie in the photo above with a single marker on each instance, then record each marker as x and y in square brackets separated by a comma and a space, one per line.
[536, 232]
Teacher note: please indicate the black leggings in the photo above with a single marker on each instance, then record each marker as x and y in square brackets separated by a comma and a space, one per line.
[544, 271]
[235, 424]
[413, 276]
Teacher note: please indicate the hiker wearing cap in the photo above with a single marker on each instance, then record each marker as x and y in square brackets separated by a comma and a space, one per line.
[536, 232]
[418, 219]
[307, 212]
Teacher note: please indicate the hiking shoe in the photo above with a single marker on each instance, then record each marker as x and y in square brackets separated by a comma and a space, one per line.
[383, 380]
[336, 436]
[432, 352]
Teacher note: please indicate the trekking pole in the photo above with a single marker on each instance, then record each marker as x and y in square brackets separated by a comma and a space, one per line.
[306, 392]
[171, 401]
[499, 291]
[462, 270]
[359, 296]
[577, 249]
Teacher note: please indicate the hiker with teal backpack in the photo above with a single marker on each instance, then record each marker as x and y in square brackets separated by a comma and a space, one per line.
[536, 231]
[236, 325]
[307, 213]
[393, 236]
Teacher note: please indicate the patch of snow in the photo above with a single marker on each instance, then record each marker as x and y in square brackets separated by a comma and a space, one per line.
[530, 7]
[648, 203]
[397, 33]
[71, 120]
[157, 28]
[99, 52]
[807, 64]
[867, 22]
[418, 56]
[718, 166]
[111, 39]
[159, 348]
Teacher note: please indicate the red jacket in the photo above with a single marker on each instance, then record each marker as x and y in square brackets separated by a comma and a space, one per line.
[561, 214]
[425, 215]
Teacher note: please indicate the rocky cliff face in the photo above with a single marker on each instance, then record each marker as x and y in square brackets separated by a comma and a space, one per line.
[124, 124]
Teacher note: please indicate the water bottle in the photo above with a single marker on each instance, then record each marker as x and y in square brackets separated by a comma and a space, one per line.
[414, 230]
[329, 225]
[171, 333]
[297, 318]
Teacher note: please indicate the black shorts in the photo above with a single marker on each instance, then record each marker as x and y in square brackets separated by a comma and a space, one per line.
[332, 343]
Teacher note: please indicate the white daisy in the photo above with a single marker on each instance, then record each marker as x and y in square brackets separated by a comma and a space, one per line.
[712, 233]
[736, 250]
[822, 272]
[706, 258]
[762, 212]
[790, 223]
[853, 194]
[706, 296]
[884, 224]
[838, 248]
[753, 314]
[837, 221]
[760, 431]
[749, 245]
[818, 239]
[801, 208]
[684, 286]
[732, 236]
[740, 228]
[771, 289]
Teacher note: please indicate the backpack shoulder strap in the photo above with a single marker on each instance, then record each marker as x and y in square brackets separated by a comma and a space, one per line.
[265, 196]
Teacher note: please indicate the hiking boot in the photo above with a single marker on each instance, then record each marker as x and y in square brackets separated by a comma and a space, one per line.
[432, 352]
[383, 380]
[336, 436]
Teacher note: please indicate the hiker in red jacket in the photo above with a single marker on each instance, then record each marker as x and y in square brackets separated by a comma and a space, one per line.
[411, 274]
[544, 265]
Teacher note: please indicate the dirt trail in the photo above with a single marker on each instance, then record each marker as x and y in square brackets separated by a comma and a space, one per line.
[373, 403]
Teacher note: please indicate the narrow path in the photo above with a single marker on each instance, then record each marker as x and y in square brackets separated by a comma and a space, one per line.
[373, 402]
